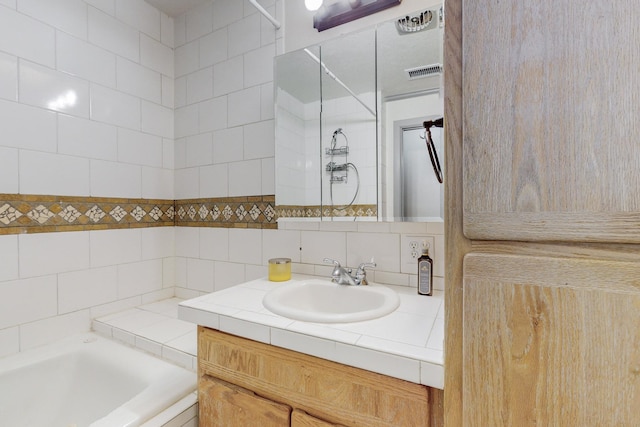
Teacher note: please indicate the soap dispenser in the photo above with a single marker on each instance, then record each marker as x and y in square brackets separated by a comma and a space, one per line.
[425, 272]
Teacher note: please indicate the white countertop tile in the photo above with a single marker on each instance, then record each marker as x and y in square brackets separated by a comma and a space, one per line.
[406, 344]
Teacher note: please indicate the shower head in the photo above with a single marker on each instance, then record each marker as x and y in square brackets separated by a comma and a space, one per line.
[337, 131]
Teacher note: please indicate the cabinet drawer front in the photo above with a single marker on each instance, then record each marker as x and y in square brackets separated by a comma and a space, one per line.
[333, 392]
[550, 341]
[223, 404]
[302, 419]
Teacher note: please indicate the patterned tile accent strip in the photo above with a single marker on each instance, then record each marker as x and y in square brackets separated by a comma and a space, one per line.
[325, 211]
[20, 213]
[230, 212]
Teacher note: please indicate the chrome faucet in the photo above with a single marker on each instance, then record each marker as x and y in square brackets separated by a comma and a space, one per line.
[342, 276]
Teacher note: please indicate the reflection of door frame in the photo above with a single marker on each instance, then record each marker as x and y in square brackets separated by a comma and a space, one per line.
[399, 126]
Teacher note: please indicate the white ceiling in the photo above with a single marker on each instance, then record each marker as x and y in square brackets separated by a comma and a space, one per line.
[175, 7]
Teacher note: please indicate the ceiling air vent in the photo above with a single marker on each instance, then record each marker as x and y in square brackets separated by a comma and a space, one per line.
[423, 71]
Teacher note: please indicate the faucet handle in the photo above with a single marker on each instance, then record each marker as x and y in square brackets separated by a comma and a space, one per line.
[366, 264]
[331, 261]
[361, 274]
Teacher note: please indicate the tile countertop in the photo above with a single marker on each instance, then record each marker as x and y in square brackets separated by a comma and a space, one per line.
[405, 344]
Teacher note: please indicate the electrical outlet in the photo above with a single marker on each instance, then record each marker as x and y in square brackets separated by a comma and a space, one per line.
[411, 250]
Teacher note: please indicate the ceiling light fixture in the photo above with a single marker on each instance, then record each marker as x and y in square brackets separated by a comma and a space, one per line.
[313, 4]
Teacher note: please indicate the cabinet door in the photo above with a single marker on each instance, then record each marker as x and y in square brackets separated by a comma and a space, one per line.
[302, 419]
[550, 114]
[550, 342]
[225, 405]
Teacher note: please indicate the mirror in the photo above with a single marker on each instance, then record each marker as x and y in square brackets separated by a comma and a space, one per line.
[349, 137]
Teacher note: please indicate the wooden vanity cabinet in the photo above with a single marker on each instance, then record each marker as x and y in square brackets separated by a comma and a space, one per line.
[243, 382]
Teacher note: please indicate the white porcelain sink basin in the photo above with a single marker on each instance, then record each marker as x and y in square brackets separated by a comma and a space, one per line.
[326, 302]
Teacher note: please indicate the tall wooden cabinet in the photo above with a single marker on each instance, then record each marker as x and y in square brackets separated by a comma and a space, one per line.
[543, 213]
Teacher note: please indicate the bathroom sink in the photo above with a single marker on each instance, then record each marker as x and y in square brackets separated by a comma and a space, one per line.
[323, 301]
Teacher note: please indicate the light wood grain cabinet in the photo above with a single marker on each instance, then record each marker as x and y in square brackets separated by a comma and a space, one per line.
[320, 393]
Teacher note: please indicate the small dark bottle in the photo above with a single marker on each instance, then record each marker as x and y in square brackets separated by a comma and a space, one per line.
[425, 273]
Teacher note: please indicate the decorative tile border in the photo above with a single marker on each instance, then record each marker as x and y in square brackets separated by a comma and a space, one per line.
[232, 212]
[289, 211]
[20, 213]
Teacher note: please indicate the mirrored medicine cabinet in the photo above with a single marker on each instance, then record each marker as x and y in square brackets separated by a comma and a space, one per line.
[349, 124]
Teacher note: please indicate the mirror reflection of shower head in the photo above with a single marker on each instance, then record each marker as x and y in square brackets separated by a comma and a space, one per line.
[333, 138]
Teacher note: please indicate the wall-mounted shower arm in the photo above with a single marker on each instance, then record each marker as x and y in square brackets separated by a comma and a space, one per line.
[337, 80]
[266, 14]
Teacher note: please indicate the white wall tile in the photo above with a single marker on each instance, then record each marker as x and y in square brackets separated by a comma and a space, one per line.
[199, 85]
[27, 300]
[8, 257]
[139, 81]
[214, 243]
[37, 42]
[243, 107]
[187, 183]
[180, 30]
[245, 246]
[111, 179]
[244, 178]
[244, 36]
[157, 120]
[384, 248]
[167, 31]
[258, 65]
[168, 95]
[168, 154]
[199, 150]
[49, 253]
[117, 108]
[212, 114]
[259, 140]
[139, 148]
[213, 48]
[69, 16]
[228, 145]
[169, 272]
[318, 245]
[279, 244]
[9, 341]
[228, 76]
[140, 15]
[86, 138]
[157, 242]
[113, 35]
[180, 153]
[82, 59]
[27, 127]
[200, 274]
[266, 102]
[156, 56]
[214, 181]
[9, 3]
[199, 21]
[157, 183]
[8, 77]
[9, 175]
[228, 274]
[186, 59]
[86, 288]
[49, 330]
[45, 173]
[139, 278]
[187, 243]
[47, 88]
[112, 247]
[186, 121]
[268, 176]
[108, 6]
[226, 12]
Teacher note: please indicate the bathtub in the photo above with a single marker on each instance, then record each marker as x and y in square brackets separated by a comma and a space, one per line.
[87, 380]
